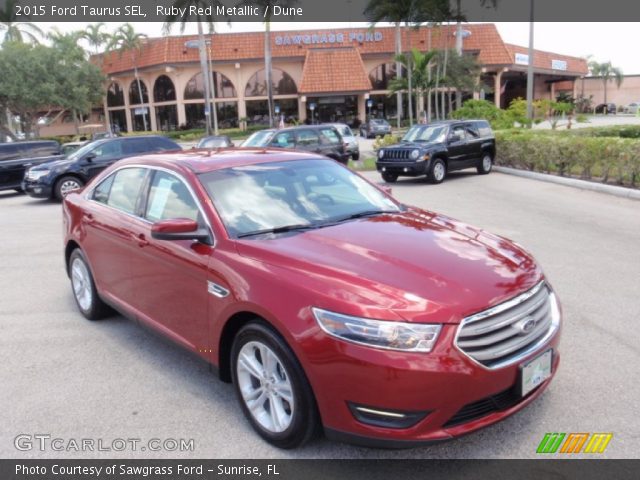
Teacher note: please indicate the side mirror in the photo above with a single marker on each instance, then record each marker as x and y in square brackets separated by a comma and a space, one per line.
[89, 157]
[179, 229]
[454, 138]
[386, 189]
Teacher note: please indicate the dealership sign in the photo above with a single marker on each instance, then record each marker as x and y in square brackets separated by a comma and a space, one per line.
[327, 38]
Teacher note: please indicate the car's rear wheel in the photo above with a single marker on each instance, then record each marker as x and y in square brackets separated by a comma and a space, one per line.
[272, 388]
[389, 177]
[438, 171]
[84, 288]
[486, 164]
[66, 185]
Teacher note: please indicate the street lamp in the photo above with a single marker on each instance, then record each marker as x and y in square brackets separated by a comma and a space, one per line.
[530, 65]
[204, 57]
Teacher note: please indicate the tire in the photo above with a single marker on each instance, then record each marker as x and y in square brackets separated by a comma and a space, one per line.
[362, 134]
[84, 288]
[64, 185]
[389, 177]
[355, 156]
[18, 190]
[438, 171]
[298, 419]
[486, 163]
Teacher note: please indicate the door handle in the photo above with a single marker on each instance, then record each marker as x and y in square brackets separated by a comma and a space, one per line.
[88, 218]
[140, 239]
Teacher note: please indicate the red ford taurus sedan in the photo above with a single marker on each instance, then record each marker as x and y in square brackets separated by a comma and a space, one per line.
[326, 302]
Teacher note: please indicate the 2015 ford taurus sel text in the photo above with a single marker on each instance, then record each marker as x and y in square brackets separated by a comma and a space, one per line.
[326, 302]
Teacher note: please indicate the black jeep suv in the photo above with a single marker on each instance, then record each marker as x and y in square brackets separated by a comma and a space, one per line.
[438, 148]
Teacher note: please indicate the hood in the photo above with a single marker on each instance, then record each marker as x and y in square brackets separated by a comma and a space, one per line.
[415, 265]
[53, 163]
[421, 145]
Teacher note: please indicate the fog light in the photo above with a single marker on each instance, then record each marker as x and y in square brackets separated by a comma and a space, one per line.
[405, 169]
[383, 417]
[384, 169]
[37, 190]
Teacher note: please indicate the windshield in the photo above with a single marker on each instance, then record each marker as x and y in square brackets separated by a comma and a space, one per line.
[375, 121]
[253, 199]
[344, 130]
[425, 133]
[213, 142]
[258, 139]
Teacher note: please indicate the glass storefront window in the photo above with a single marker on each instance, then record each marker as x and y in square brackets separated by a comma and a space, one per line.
[118, 120]
[386, 107]
[282, 83]
[382, 74]
[334, 109]
[134, 93]
[138, 117]
[167, 118]
[163, 90]
[223, 87]
[258, 111]
[115, 96]
[227, 115]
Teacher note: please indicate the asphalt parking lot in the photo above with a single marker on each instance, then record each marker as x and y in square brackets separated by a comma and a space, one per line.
[70, 378]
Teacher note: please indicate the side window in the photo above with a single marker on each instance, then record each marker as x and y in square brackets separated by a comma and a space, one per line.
[135, 145]
[108, 150]
[471, 132]
[101, 192]
[458, 130]
[483, 129]
[170, 198]
[163, 144]
[9, 152]
[42, 149]
[284, 140]
[307, 138]
[329, 136]
[125, 189]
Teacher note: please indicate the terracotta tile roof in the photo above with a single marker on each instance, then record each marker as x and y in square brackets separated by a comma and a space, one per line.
[227, 47]
[543, 60]
[334, 70]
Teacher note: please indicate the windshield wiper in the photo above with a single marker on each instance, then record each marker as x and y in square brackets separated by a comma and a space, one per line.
[283, 229]
[366, 213]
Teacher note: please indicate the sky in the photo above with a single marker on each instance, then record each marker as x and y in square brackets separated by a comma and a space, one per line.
[604, 41]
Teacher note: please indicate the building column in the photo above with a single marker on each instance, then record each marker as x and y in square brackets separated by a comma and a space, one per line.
[302, 109]
[497, 88]
[552, 91]
[152, 118]
[127, 107]
[362, 108]
[107, 117]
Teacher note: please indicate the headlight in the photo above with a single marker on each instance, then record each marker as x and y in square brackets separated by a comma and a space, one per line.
[380, 153]
[36, 174]
[415, 154]
[406, 337]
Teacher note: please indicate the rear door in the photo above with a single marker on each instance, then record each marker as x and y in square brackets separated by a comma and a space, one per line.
[474, 144]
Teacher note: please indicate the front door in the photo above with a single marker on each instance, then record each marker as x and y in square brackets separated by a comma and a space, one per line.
[101, 157]
[457, 147]
[170, 278]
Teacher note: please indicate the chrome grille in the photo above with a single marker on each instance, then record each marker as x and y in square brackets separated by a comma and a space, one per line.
[396, 154]
[507, 332]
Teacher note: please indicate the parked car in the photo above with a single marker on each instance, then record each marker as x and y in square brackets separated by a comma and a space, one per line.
[606, 108]
[324, 300]
[353, 148]
[375, 127]
[215, 141]
[70, 147]
[16, 157]
[57, 178]
[323, 139]
[438, 148]
[632, 107]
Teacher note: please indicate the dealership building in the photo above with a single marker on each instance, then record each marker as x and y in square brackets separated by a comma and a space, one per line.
[339, 75]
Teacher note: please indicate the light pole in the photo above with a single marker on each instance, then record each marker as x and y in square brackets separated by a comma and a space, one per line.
[200, 45]
[212, 88]
[530, 65]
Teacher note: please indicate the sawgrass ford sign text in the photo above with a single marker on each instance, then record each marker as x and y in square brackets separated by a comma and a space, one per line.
[330, 38]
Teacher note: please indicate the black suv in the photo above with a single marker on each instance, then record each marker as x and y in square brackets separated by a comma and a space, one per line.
[16, 157]
[438, 148]
[55, 179]
[323, 139]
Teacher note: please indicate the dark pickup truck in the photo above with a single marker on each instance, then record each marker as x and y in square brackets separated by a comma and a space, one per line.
[17, 157]
[438, 148]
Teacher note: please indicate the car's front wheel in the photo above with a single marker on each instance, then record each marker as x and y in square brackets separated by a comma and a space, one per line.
[272, 388]
[84, 288]
[66, 185]
[438, 171]
[486, 164]
[355, 156]
[389, 177]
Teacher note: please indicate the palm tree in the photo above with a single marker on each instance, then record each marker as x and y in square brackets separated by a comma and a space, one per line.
[124, 39]
[95, 37]
[17, 31]
[420, 65]
[608, 72]
[411, 12]
[267, 7]
[209, 21]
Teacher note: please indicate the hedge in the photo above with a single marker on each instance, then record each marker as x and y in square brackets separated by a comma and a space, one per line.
[605, 159]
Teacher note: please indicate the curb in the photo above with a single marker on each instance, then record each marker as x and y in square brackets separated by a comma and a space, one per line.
[573, 182]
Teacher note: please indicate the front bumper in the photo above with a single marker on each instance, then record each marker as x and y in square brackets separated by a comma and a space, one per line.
[407, 169]
[441, 383]
[37, 189]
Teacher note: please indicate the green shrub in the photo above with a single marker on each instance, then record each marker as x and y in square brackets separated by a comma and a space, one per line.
[385, 141]
[590, 157]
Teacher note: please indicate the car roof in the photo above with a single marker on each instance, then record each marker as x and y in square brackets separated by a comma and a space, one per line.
[203, 160]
